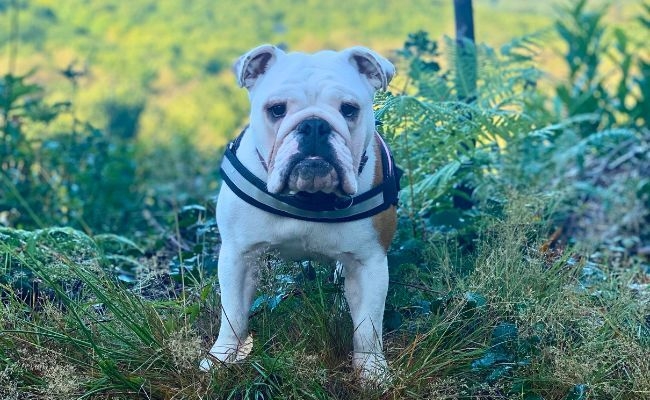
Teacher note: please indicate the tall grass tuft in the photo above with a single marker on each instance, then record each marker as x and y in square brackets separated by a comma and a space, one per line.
[522, 323]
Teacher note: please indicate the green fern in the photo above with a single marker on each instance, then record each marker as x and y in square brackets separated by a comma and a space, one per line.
[441, 141]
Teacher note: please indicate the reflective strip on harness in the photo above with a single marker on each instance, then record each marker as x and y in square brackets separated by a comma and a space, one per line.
[252, 190]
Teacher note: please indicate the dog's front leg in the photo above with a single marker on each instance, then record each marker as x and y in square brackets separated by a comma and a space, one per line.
[237, 275]
[366, 285]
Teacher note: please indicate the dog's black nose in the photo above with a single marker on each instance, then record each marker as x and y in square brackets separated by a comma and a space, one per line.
[314, 127]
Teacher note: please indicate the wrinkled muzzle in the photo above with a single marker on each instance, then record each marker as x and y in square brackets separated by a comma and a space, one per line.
[312, 159]
[312, 175]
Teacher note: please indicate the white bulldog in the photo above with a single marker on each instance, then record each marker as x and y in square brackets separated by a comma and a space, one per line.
[308, 178]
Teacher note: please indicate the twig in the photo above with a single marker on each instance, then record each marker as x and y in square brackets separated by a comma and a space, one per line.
[623, 158]
[604, 164]
[154, 224]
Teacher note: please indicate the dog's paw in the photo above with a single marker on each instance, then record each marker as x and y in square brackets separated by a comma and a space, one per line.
[372, 370]
[220, 354]
[206, 364]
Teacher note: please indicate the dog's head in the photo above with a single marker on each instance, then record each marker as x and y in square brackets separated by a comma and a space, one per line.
[312, 114]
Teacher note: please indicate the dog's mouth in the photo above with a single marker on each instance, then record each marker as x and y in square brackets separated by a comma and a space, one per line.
[313, 174]
[300, 167]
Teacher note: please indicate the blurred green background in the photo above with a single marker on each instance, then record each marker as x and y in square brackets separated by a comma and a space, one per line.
[162, 68]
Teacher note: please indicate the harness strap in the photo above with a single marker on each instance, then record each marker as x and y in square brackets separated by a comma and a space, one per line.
[316, 207]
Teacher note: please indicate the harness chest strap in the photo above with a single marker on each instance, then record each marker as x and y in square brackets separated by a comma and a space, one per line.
[318, 207]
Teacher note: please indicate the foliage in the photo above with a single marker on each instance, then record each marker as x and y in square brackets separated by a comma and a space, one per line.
[57, 170]
[482, 339]
[176, 56]
[602, 155]
[586, 91]
[70, 177]
[90, 344]
[462, 155]
[520, 269]
[445, 143]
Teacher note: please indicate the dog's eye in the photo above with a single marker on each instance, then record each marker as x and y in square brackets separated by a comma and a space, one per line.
[277, 111]
[349, 111]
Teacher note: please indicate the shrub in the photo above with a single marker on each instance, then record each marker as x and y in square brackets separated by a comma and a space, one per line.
[57, 170]
[76, 175]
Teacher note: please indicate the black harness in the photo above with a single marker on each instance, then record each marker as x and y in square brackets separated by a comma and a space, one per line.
[315, 207]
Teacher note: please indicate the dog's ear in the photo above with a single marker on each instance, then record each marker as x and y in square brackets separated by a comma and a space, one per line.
[376, 68]
[255, 63]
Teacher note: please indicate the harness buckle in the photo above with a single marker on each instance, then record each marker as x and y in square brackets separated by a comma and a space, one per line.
[342, 203]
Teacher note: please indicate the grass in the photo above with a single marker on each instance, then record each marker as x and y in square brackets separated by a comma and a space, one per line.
[523, 323]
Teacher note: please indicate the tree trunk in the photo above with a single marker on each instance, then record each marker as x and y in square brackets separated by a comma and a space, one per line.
[465, 82]
[466, 56]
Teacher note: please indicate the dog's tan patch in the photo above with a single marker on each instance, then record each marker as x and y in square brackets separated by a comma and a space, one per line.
[385, 223]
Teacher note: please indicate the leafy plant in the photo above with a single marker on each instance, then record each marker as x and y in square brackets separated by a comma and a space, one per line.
[73, 177]
[442, 142]
[619, 98]
[102, 338]
[508, 137]
[584, 93]
[57, 170]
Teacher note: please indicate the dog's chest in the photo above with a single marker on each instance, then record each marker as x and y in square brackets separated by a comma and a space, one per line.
[299, 240]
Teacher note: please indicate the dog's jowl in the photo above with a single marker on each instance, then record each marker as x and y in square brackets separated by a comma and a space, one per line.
[308, 178]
